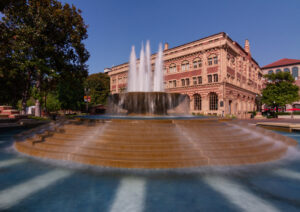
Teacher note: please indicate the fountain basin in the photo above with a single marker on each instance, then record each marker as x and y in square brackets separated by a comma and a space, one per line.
[148, 103]
[152, 144]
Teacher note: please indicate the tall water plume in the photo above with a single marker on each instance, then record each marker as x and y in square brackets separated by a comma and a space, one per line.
[132, 75]
[142, 79]
[141, 71]
[148, 74]
[158, 73]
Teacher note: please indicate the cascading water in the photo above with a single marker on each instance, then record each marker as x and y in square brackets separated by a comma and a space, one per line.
[145, 91]
[159, 74]
[132, 76]
[142, 79]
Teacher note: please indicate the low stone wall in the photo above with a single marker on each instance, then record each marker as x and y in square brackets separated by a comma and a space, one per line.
[288, 116]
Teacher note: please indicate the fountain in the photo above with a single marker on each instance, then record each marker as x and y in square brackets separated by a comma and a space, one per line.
[145, 92]
[148, 137]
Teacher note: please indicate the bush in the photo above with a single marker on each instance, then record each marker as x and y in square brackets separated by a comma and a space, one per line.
[289, 113]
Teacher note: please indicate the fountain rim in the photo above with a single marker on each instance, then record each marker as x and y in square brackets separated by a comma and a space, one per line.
[150, 117]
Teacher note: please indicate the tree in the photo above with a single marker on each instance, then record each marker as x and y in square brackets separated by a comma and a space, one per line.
[99, 87]
[71, 90]
[45, 40]
[280, 90]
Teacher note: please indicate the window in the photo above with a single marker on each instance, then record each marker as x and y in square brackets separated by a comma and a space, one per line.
[170, 84]
[174, 84]
[185, 66]
[172, 68]
[212, 59]
[213, 101]
[182, 82]
[187, 81]
[215, 60]
[278, 70]
[199, 80]
[197, 63]
[197, 102]
[286, 70]
[295, 72]
[270, 72]
[194, 80]
[209, 61]
[232, 60]
[209, 78]
[215, 78]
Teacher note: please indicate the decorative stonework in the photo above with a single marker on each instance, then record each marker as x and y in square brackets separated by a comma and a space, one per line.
[235, 69]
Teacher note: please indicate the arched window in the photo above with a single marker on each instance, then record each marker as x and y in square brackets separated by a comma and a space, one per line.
[278, 70]
[270, 72]
[197, 102]
[213, 101]
[172, 68]
[197, 63]
[185, 65]
[212, 59]
[295, 72]
[286, 70]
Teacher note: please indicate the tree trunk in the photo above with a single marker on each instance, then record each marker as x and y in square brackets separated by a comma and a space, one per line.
[37, 101]
[24, 100]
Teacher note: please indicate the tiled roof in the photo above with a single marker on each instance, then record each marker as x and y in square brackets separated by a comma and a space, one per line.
[282, 62]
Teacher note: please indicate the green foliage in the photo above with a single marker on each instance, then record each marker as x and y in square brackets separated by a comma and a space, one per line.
[71, 91]
[41, 41]
[99, 87]
[280, 90]
[39, 118]
[29, 102]
[52, 102]
[289, 113]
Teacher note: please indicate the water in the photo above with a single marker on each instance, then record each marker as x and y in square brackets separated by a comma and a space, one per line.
[142, 79]
[37, 185]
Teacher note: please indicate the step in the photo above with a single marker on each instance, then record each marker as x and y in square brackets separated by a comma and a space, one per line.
[4, 107]
[92, 160]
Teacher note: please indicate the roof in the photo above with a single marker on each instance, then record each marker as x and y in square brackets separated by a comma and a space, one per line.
[282, 62]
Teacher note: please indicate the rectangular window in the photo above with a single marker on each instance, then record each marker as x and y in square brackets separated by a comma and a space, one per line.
[187, 81]
[194, 80]
[200, 63]
[215, 60]
[199, 80]
[174, 83]
[183, 67]
[195, 64]
[170, 84]
[209, 61]
[209, 78]
[182, 82]
[215, 78]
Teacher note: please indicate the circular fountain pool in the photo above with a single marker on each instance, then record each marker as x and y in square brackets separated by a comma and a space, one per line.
[41, 185]
[157, 143]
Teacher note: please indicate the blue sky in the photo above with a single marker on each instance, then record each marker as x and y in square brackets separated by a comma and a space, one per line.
[272, 26]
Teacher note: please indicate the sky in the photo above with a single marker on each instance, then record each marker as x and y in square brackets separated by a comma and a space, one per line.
[272, 26]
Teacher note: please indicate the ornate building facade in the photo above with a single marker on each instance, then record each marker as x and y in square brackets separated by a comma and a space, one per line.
[219, 76]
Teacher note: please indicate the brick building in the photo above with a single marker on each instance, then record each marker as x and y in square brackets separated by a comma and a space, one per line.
[286, 65]
[218, 75]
